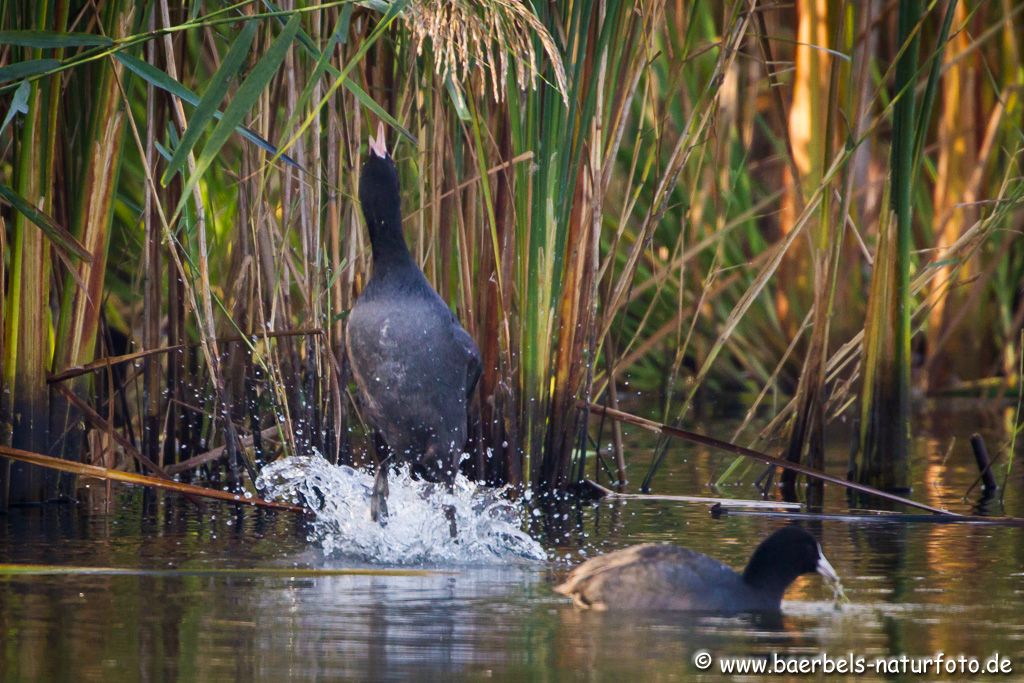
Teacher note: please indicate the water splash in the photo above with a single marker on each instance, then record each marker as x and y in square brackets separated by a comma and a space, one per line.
[417, 531]
[839, 599]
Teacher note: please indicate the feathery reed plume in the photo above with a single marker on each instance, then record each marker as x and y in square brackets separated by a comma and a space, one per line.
[492, 36]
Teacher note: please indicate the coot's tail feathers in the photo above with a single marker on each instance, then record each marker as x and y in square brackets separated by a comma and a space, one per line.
[568, 588]
[579, 582]
[572, 589]
[576, 581]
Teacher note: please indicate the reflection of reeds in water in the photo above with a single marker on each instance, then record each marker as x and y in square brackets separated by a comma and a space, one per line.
[607, 193]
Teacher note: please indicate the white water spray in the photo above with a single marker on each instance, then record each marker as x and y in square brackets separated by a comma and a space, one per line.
[417, 530]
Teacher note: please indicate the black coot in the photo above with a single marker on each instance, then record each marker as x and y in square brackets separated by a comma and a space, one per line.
[662, 576]
[414, 365]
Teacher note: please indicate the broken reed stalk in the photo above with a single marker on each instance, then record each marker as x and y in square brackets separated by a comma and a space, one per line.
[604, 493]
[989, 485]
[110, 361]
[871, 518]
[218, 452]
[107, 474]
[667, 430]
[100, 423]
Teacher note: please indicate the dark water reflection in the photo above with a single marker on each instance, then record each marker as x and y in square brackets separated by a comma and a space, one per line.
[914, 589]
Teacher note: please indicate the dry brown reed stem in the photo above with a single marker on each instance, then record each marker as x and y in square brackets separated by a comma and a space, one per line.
[152, 267]
[872, 517]
[952, 213]
[682, 151]
[663, 276]
[850, 353]
[81, 306]
[107, 474]
[807, 435]
[110, 361]
[665, 271]
[24, 400]
[715, 286]
[969, 241]
[168, 235]
[694, 437]
[103, 425]
[205, 327]
[953, 197]
[779, 107]
[472, 180]
[605, 493]
[846, 218]
[752, 410]
[216, 453]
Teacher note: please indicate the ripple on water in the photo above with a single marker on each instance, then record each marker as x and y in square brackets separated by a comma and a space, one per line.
[417, 531]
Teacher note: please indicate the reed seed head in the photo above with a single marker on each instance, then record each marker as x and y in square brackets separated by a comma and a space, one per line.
[490, 37]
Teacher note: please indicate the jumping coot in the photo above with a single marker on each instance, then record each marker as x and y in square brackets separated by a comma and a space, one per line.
[414, 365]
[663, 576]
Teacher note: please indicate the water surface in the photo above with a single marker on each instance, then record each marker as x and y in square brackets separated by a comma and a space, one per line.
[913, 589]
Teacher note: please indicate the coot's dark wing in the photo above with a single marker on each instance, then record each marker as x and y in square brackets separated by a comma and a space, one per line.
[651, 576]
[473, 365]
[414, 366]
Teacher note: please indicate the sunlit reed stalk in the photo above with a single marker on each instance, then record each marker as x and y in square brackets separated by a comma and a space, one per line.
[595, 187]
[807, 436]
[91, 212]
[885, 404]
[24, 401]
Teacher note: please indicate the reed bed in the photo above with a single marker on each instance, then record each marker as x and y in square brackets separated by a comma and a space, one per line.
[806, 210]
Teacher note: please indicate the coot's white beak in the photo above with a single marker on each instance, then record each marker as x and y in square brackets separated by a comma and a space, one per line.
[378, 146]
[825, 568]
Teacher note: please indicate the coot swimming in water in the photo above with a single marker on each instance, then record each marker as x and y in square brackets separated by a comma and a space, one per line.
[666, 577]
[414, 365]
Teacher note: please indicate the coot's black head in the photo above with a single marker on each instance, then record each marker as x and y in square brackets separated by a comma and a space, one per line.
[782, 557]
[380, 198]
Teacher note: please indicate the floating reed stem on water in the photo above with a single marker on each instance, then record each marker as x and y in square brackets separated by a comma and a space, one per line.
[676, 433]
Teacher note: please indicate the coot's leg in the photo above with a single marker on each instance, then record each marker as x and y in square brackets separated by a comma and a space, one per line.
[449, 510]
[435, 458]
[449, 513]
[379, 495]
